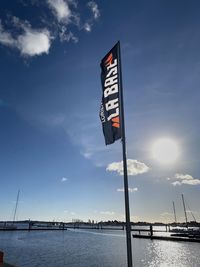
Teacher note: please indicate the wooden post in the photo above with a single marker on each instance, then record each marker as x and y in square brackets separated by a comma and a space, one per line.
[29, 225]
[151, 230]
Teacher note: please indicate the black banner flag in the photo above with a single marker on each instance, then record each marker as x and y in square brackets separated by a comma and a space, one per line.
[110, 105]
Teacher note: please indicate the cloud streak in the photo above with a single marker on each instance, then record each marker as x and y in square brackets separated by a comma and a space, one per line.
[184, 179]
[131, 190]
[64, 179]
[134, 167]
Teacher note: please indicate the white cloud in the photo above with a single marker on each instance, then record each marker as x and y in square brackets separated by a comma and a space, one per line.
[87, 155]
[87, 27]
[34, 42]
[186, 179]
[5, 37]
[176, 183]
[183, 176]
[134, 167]
[31, 42]
[96, 14]
[91, 146]
[131, 190]
[60, 9]
[67, 36]
[52, 120]
[191, 182]
[94, 8]
[73, 2]
[64, 179]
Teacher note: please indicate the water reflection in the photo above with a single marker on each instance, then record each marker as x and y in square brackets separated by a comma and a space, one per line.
[171, 254]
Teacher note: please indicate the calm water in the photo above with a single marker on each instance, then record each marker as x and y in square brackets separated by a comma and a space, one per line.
[93, 248]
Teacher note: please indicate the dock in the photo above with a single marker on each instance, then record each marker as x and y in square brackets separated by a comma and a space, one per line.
[35, 229]
[168, 238]
[61, 226]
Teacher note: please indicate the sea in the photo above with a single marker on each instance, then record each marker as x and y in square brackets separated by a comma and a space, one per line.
[93, 248]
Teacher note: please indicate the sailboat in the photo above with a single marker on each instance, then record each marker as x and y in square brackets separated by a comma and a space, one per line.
[12, 226]
[188, 232]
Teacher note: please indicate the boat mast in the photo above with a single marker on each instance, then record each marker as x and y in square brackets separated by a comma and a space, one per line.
[191, 213]
[184, 210]
[174, 213]
[16, 205]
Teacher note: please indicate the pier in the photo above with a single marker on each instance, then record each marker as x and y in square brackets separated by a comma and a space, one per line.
[169, 236]
[57, 226]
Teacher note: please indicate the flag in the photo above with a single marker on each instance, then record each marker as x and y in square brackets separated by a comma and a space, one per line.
[110, 105]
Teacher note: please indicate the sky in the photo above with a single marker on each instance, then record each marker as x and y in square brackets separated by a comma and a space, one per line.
[52, 147]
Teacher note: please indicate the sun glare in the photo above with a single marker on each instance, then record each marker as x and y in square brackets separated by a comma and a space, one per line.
[165, 150]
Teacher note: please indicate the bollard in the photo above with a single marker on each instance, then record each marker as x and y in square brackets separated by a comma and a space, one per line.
[1, 257]
[2, 263]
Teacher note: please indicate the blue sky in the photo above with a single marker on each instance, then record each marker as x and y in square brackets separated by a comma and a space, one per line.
[51, 141]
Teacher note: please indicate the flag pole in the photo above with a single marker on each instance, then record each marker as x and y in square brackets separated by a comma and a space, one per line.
[126, 194]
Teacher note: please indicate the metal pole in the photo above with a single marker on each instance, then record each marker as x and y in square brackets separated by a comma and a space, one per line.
[16, 206]
[184, 211]
[174, 213]
[126, 195]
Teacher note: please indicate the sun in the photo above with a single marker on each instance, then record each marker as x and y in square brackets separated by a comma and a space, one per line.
[165, 150]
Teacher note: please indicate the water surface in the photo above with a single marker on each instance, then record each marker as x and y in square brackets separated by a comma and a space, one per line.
[93, 248]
